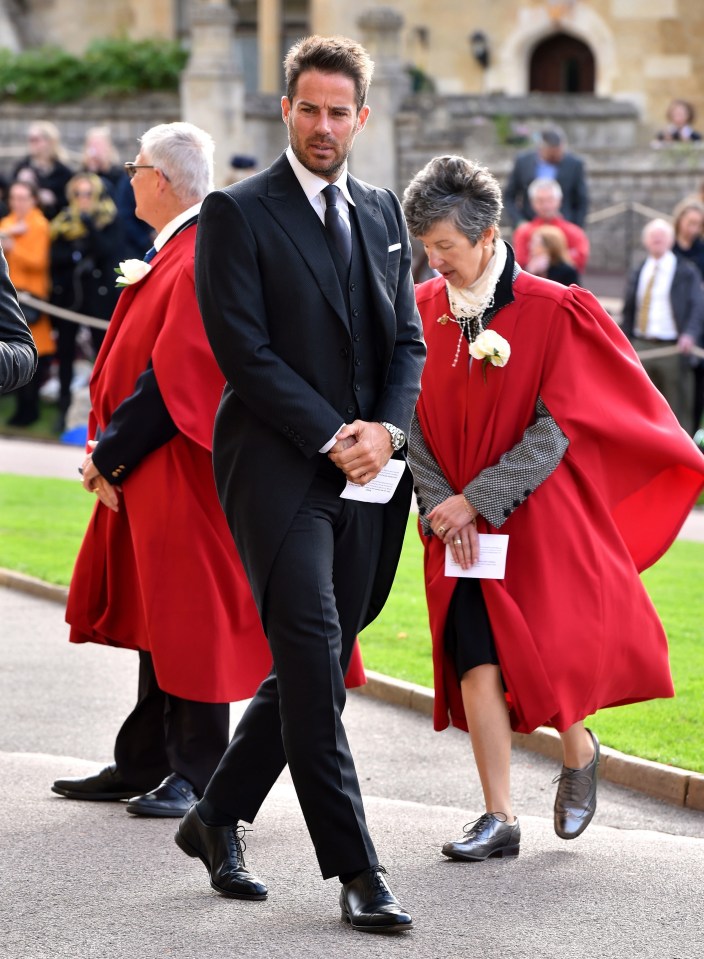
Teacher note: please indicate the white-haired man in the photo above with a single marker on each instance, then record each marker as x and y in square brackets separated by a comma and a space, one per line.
[664, 306]
[545, 197]
[157, 571]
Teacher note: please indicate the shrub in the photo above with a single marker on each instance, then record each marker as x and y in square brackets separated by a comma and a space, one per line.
[108, 68]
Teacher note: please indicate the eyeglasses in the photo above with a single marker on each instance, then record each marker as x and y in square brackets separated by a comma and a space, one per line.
[131, 169]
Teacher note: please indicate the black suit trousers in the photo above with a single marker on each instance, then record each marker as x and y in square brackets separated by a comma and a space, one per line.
[315, 600]
[165, 734]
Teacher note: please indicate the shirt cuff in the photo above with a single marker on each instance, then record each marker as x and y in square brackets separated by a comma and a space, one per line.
[330, 443]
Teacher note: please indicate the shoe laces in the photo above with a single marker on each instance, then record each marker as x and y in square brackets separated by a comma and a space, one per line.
[238, 832]
[573, 779]
[378, 883]
[471, 828]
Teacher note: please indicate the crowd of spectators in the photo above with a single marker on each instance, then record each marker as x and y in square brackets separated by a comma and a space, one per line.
[65, 226]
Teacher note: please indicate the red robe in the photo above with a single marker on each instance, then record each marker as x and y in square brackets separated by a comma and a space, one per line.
[574, 629]
[162, 574]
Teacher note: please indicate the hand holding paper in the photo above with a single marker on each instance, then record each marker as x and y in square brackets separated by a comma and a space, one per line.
[491, 564]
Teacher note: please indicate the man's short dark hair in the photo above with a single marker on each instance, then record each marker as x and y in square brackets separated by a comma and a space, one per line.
[552, 137]
[330, 55]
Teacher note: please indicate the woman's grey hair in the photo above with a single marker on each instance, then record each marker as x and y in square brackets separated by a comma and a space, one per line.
[455, 189]
[184, 153]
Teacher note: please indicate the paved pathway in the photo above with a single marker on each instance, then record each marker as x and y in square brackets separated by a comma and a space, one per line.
[87, 881]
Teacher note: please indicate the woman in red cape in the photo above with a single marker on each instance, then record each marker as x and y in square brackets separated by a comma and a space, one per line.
[535, 420]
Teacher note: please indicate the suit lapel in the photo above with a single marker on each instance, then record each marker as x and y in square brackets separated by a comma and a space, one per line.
[289, 206]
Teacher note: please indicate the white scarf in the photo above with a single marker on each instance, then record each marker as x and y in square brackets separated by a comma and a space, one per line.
[474, 300]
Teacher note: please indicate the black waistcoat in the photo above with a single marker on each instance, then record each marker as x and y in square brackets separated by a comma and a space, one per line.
[363, 367]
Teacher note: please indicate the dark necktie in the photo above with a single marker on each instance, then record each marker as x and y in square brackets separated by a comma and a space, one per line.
[335, 225]
[150, 254]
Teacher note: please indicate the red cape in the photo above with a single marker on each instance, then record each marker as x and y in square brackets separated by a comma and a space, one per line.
[575, 630]
[163, 574]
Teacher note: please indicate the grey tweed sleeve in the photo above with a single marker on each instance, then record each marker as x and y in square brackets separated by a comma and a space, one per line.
[498, 490]
[429, 482]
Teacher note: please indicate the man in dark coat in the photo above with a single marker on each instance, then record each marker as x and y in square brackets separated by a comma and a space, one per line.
[663, 308]
[303, 276]
[18, 354]
[550, 160]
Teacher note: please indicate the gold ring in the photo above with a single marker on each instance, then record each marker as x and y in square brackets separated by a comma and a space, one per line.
[441, 530]
[458, 542]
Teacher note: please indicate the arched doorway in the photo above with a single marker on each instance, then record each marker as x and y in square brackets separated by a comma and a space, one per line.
[562, 64]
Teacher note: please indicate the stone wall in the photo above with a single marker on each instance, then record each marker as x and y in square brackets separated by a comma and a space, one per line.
[127, 118]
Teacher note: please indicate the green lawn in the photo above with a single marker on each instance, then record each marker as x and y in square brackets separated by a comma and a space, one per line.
[665, 730]
[42, 522]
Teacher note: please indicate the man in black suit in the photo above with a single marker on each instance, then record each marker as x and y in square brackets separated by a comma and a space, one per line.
[303, 276]
[663, 306]
[551, 161]
[18, 354]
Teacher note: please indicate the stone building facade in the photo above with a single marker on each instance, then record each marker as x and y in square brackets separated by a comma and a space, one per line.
[642, 51]
[486, 75]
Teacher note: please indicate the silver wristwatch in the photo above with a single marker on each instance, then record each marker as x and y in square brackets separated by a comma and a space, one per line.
[398, 437]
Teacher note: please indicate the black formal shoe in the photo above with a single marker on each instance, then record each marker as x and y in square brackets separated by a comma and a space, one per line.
[105, 786]
[575, 802]
[173, 798]
[368, 904]
[489, 836]
[221, 850]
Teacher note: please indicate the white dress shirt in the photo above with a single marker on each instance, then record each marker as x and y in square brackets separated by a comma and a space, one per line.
[172, 226]
[661, 322]
[313, 185]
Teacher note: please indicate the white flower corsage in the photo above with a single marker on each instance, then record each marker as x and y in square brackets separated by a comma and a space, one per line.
[131, 271]
[490, 347]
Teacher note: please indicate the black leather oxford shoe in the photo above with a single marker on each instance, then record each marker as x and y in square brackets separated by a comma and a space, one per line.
[105, 786]
[221, 850]
[368, 904]
[172, 799]
[491, 835]
[575, 802]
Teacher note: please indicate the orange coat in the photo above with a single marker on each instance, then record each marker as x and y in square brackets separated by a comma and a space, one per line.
[28, 262]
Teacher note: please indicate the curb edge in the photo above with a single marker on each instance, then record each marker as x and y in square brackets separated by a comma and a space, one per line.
[679, 787]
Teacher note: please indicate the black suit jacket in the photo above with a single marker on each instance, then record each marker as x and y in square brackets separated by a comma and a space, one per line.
[276, 318]
[686, 297]
[18, 354]
[571, 177]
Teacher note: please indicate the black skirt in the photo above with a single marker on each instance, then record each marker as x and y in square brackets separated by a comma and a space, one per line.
[468, 638]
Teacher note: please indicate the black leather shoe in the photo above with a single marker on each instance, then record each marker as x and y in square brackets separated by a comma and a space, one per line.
[489, 836]
[221, 850]
[368, 904]
[173, 798]
[575, 802]
[104, 786]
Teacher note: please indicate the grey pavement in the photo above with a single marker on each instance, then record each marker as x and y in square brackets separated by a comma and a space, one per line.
[84, 880]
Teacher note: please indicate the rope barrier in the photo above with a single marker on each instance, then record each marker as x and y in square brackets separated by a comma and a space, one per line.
[659, 352]
[62, 313]
[654, 354]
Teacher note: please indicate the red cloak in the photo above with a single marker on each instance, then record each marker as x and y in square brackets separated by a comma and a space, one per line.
[163, 574]
[574, 629]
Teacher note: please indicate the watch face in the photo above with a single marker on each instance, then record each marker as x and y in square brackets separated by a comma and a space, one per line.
[399, 439]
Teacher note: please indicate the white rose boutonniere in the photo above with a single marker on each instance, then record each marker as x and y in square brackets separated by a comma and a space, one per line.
[131, 271]
[490, 348]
